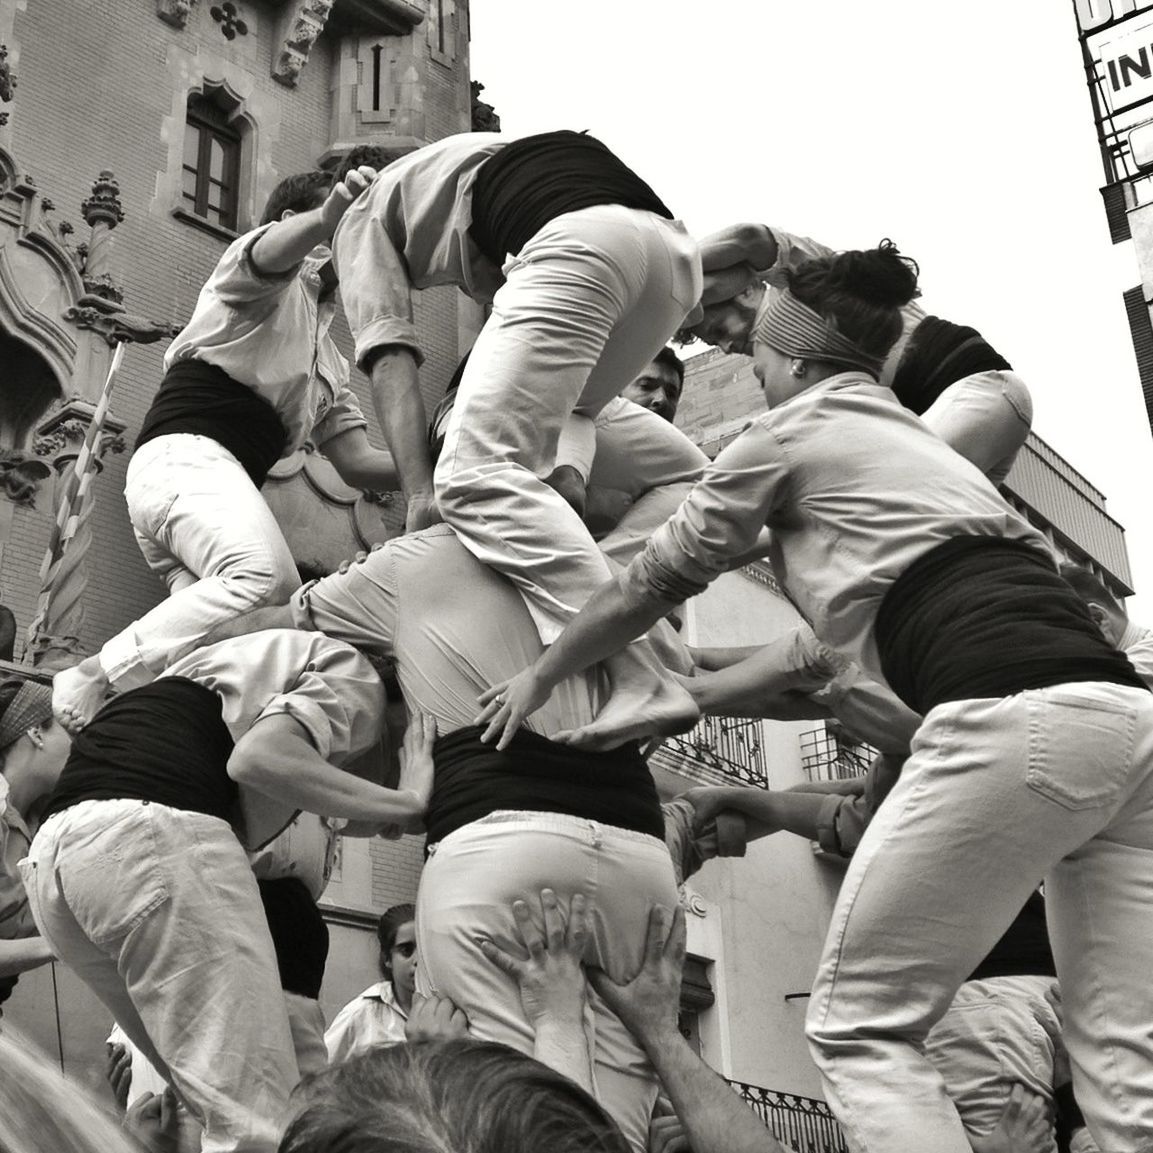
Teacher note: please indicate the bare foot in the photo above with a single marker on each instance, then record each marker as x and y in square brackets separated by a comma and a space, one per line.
[656, 706]
[78, 693]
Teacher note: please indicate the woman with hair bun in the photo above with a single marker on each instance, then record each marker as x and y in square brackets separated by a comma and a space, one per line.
[1034, 760]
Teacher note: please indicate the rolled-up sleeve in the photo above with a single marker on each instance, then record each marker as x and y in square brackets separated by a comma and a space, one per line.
[336, 697]
[374, 283]
[237, 280]
[719, 521]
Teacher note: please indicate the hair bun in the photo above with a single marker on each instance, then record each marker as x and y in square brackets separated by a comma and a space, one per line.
[879, 274]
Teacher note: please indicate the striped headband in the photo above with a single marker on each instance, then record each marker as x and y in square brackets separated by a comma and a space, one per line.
[795, 329]
[31, 706]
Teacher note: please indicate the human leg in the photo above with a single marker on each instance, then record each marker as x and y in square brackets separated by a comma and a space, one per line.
[950, 858]
[167, 897]
[190, 498]
[466, 892]
[986, 418]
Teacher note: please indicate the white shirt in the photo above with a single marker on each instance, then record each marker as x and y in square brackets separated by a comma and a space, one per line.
[374, 1018]
[15, 916]
[854, 489]
[271, 333]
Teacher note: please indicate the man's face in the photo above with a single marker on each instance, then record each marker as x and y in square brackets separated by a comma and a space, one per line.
[402, 960]
[728, 325]
[657, 388]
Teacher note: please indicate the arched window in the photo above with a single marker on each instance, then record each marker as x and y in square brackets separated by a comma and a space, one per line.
[211, 169]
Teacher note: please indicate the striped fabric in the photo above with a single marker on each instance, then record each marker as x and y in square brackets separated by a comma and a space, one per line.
[793, 328]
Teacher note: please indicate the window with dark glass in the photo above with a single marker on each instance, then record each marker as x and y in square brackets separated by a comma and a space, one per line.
[211, 163]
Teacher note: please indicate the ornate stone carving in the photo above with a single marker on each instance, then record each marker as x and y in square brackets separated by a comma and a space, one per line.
[7, 82]
[21, 476]
[104, 203]
[305, 22]
[116, 326]
[484, 116]
[174, 12]
[64, 439]
[227, 15]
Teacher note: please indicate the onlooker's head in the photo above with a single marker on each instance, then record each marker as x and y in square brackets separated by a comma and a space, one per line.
[300, 193]
[42, 1112]
[659, 387]
[396, 932]
[448, 1096]
[1104, 607]
[33, 745]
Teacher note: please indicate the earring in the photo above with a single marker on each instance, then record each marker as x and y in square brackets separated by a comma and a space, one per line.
[35, 737]
[797, 369]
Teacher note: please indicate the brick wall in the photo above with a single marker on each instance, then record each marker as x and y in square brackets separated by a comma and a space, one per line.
[98, 86]
[720, 397]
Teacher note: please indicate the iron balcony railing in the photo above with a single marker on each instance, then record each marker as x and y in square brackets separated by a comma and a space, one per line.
[729, 745]
[803, 1124]
[827, 756]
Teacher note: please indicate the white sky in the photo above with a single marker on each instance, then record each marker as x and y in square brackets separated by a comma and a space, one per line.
[963, 131]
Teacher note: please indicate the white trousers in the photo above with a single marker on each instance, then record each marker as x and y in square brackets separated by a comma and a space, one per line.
[157, 911]
[986, 418]
[998, 794]
[466, 893]
[203, 526]
[585, 306]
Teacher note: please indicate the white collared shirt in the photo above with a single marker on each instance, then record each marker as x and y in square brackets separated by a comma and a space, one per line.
[374, 1018]
[15, 916]
[271, 333]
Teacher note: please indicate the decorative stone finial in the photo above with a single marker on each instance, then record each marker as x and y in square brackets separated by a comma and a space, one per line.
[7, 81]
[104, 204]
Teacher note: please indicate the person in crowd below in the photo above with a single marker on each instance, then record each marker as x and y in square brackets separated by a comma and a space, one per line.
[946, 373]
[30, 744]
[502, 826]
[379, 1016]
[140, 884]
[1035, 756]
[252, 375]
[588, 275]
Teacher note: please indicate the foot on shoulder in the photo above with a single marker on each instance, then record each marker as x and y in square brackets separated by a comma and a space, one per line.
[78, 693]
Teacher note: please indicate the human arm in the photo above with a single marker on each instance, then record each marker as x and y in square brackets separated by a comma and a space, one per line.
[400, 409]
[358, 463]
[766, 811]
[714, 1117]
[552, 982]
[278, 759]
[23, 954]
[731, 257]
[281, 247]
[721, 516]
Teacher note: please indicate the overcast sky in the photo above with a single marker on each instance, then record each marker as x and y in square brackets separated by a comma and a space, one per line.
[961, 130]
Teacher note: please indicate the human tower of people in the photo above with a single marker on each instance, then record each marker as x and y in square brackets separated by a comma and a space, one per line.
[175, 797]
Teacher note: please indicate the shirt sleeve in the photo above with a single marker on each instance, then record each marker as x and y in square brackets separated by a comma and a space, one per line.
[336, 697]
[342, 415]
[358, 607]
[792, 251]
[374, 283]
[237, 281]
[719, 521]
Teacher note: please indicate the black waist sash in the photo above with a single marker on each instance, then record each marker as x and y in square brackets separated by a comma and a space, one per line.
[199, 398]
[535, 774]
[986, 617]
[940, 353]
[532, 181]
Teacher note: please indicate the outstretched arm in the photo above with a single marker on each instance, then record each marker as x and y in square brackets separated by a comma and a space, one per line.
[25, 953]
[283, 246]
[359, 464]
[715, 1118]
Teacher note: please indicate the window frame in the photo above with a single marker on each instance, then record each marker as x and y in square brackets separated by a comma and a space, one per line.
[213, 124]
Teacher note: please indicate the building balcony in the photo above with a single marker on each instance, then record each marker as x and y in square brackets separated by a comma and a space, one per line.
[803, 1124]
[826, 755]
[718, 748]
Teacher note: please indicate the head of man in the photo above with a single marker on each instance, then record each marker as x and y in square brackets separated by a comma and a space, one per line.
[396, 933]
[33, 745]
[659, 387]
[299, 193]
[728, 324]
[1104, 607]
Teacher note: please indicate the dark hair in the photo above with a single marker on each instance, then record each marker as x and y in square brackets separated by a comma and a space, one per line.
[448, 1097]
[1090, 587]
[669, 359]
[861, 293]
[298, 193]
[390, 924]
[374, 155]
